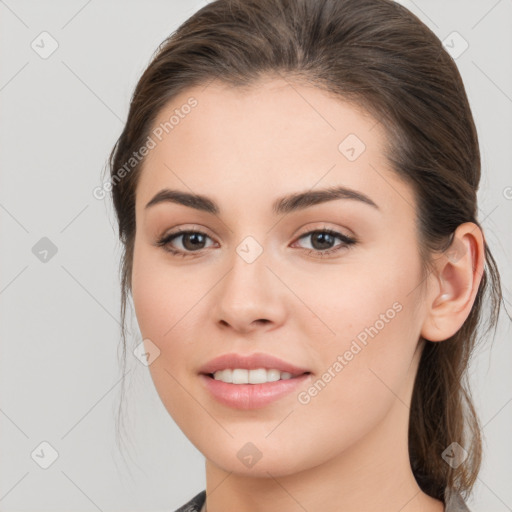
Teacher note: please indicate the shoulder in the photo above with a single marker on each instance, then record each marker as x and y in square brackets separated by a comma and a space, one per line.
[195, 504]
[454, 502]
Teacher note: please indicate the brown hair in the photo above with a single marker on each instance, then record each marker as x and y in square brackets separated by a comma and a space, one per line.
[379, 56]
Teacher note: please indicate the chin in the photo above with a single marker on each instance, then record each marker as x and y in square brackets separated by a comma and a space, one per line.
[249, 461]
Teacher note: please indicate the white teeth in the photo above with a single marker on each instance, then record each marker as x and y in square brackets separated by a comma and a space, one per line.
[240, 376]
[243, 376]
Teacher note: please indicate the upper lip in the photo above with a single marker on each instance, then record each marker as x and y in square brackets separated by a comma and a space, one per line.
[250, 362]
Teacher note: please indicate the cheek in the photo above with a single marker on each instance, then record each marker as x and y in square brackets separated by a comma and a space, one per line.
[364, 369]
[163, 306]
[377, 337]
[372, 319]
[352, 302]
[160, 295]
[167, 304]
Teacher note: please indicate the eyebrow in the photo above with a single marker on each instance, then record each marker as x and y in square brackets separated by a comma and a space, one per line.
[283, 205]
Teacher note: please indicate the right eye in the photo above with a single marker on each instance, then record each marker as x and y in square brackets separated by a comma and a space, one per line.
[191, 242]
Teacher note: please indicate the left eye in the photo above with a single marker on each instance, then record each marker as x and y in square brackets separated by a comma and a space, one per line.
[323, 239]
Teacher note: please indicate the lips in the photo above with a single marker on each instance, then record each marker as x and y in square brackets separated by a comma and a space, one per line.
[251, 362]
[252, 396]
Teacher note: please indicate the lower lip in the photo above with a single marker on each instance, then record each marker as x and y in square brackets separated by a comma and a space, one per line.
[251, 396]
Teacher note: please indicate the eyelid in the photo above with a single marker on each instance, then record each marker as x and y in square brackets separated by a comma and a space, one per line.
[301, 231]
[185, 229]
[324, 226]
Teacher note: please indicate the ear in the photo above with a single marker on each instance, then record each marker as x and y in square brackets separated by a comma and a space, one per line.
[454, 284]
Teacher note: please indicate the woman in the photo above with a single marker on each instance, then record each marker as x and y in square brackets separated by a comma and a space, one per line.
[295, 188]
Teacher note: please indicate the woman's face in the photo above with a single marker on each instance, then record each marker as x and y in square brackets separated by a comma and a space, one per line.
[254, 281]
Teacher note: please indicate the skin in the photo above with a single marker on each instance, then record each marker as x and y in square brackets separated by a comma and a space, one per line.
[347, 448]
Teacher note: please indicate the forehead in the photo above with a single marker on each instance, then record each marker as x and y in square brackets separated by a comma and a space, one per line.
[279, 133]
[251, 115]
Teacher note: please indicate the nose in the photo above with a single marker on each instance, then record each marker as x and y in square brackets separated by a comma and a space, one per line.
[250, 296]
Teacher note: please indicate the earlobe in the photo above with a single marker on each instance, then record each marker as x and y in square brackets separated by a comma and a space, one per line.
[454, 284]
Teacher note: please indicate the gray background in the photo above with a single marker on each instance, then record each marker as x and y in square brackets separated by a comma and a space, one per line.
[59, 372]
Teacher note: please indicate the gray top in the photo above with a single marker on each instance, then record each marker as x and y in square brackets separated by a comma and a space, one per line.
[454, 503]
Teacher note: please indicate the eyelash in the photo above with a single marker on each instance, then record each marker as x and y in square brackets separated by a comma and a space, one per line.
[347, 242]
